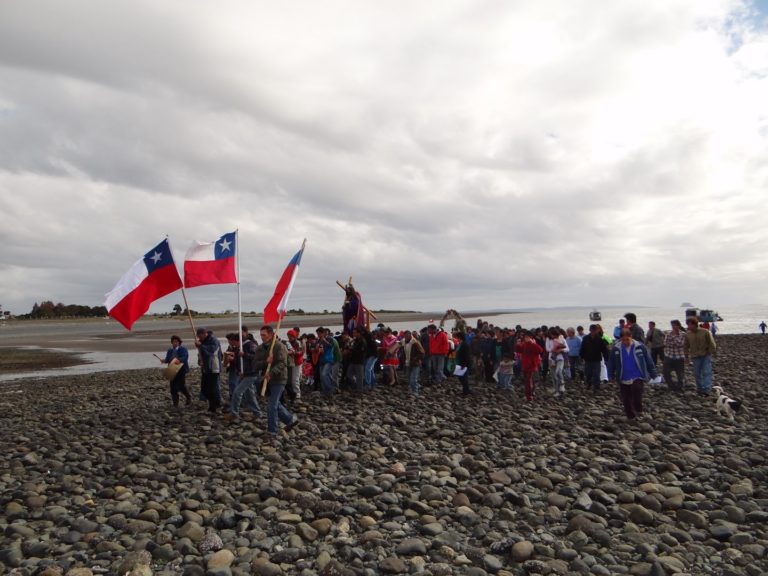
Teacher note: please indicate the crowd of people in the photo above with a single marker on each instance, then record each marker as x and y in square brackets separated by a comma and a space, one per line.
[359, 360]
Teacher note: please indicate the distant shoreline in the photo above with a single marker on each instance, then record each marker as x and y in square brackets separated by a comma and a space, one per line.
[65, 339]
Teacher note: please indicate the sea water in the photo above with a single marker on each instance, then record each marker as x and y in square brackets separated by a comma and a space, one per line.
[736, 320]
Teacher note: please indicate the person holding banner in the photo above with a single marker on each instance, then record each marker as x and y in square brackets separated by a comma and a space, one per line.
[271, 359]
[178, 354]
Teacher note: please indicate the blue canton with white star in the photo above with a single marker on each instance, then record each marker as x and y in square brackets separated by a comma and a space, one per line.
[225, 246]
[158, 257]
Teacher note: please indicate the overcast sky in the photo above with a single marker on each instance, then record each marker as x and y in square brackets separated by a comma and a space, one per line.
[465, 154]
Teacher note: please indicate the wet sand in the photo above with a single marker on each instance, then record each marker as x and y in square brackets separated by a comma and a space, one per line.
[152, 334]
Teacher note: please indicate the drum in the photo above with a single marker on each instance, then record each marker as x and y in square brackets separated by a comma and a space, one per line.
[170, 371]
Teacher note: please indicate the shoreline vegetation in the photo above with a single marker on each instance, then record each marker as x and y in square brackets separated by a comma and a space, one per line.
[104, 477]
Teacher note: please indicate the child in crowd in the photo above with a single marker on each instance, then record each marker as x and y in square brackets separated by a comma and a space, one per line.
[506, 371]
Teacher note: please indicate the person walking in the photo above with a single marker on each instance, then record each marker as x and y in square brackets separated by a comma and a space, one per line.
[506, 371]
[357, 351]
[271, 360]
[463, 361]
[700, 347]
[414, 356]
[371, 355]
[558, 351]
[179, 381]
[438, 351]
[634, 328]
[209, 350]
[530, 358]
[654, 341]
[674, 357]
[249, 378]
[326, 344]
[390, 362]
[631, 366]
[573, 342]
[295, 348]
[594, 350]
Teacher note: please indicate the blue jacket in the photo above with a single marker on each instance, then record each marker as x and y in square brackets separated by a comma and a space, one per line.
[642, 357]
[209, 355]
[574, 345]
[180, 353]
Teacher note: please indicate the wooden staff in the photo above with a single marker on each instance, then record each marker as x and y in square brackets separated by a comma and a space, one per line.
[265, 380]
[184, 294]
[189, 313]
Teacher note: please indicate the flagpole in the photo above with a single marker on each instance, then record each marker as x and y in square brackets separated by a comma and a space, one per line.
[189, 312]
[239, 300]
[265, 380]
[184, 295]
[274, 336]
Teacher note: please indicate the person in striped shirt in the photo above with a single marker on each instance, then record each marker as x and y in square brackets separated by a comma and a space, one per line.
[674, 357]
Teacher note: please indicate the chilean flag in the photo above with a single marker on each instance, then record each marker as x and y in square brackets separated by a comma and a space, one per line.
[149, 279]
[275, 309]
[211, 262]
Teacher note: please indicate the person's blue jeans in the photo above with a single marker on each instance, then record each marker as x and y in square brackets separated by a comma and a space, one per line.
[245, 388]
[275, 409]
[370, 375]
[436, 367]
[558, 377]
[505, 381]
[326, 379]
[702, 372]
[413, 378]
[232, 379]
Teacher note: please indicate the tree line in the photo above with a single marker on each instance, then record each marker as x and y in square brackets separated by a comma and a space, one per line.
[48, 309]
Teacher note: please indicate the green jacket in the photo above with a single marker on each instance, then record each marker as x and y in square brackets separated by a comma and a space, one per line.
[278, 372]
[699, 343]
[336, 351]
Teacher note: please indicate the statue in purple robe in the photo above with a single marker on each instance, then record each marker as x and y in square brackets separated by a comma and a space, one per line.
[352, 311]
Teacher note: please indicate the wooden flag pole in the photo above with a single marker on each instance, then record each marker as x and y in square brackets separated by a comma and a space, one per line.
[280, 314]
[189, 313]
[265, 379]
[184, 295]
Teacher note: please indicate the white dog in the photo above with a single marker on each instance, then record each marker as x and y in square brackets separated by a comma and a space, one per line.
[725, 404]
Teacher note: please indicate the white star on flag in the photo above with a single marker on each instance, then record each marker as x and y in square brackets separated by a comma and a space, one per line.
[225, 245]
[156, 257]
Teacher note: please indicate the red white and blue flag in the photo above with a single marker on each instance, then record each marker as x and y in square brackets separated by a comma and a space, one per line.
[149, 279]
[277, 306]
[211, 262]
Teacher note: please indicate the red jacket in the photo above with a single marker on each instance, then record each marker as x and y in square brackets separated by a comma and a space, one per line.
[438, 344]
[530, 355]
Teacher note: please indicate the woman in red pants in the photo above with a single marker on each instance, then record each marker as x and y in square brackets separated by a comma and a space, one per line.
[530, 359]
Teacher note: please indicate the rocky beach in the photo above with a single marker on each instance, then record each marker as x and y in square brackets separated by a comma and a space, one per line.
[99, 475]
